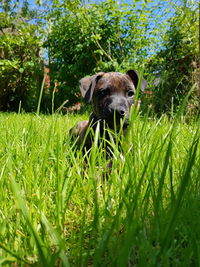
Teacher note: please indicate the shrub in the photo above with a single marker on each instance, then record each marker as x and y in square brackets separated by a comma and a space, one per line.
[174, 64]
[20, 72]
[99, 37]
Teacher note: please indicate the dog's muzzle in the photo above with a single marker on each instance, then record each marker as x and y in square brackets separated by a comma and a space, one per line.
[116, 116]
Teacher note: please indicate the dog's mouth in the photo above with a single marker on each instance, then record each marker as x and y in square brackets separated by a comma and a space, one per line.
[117, 124]
[125, 125]
[115, 119]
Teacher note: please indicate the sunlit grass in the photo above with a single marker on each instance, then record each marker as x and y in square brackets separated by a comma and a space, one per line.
[56, 210]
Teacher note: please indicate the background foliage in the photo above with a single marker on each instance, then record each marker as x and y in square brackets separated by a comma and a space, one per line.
[81, 38]
[20, 68]
[175, 64]
[99, 37]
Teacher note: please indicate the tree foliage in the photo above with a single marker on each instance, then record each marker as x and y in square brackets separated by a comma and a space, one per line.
[84, 37]
[20, 68]
[175, 64]
[107, 36]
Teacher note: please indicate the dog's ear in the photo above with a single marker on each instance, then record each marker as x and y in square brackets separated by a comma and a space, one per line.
[134, 75]
[88, 84]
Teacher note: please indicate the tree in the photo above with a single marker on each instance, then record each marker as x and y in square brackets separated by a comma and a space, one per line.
[84, 39]
[19, 59]
[174, 64]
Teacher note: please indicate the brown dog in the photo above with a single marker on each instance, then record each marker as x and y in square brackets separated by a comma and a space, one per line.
[112, 95]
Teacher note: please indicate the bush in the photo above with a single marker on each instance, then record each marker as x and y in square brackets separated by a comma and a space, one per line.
[20, 72]
[174, 64]
[100, 37]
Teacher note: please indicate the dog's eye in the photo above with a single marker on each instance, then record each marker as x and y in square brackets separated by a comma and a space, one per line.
[104, 92]
[130, 93]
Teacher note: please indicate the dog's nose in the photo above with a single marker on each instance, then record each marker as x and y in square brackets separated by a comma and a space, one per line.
[122, 112]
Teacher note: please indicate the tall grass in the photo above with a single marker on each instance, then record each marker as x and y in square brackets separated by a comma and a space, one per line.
[56, 210]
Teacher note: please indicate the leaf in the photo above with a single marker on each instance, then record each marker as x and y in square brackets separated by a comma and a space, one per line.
[7, 260]
[21, 70]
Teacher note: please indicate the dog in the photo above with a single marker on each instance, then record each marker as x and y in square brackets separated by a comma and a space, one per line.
[112, 95]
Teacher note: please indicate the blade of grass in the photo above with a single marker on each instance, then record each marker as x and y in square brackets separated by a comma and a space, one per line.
[22, 206]
[41, 93]
[14, 255]
[56, 240]
[175, 209]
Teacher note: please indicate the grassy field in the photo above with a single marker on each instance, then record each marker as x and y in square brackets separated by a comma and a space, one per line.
[56, 210]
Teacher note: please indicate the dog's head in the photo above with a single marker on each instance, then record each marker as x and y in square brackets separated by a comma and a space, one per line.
[111, 94]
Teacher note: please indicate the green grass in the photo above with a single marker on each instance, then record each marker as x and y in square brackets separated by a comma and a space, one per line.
[56, 210]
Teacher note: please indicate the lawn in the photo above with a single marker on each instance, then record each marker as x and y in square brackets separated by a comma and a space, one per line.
[57, 210]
